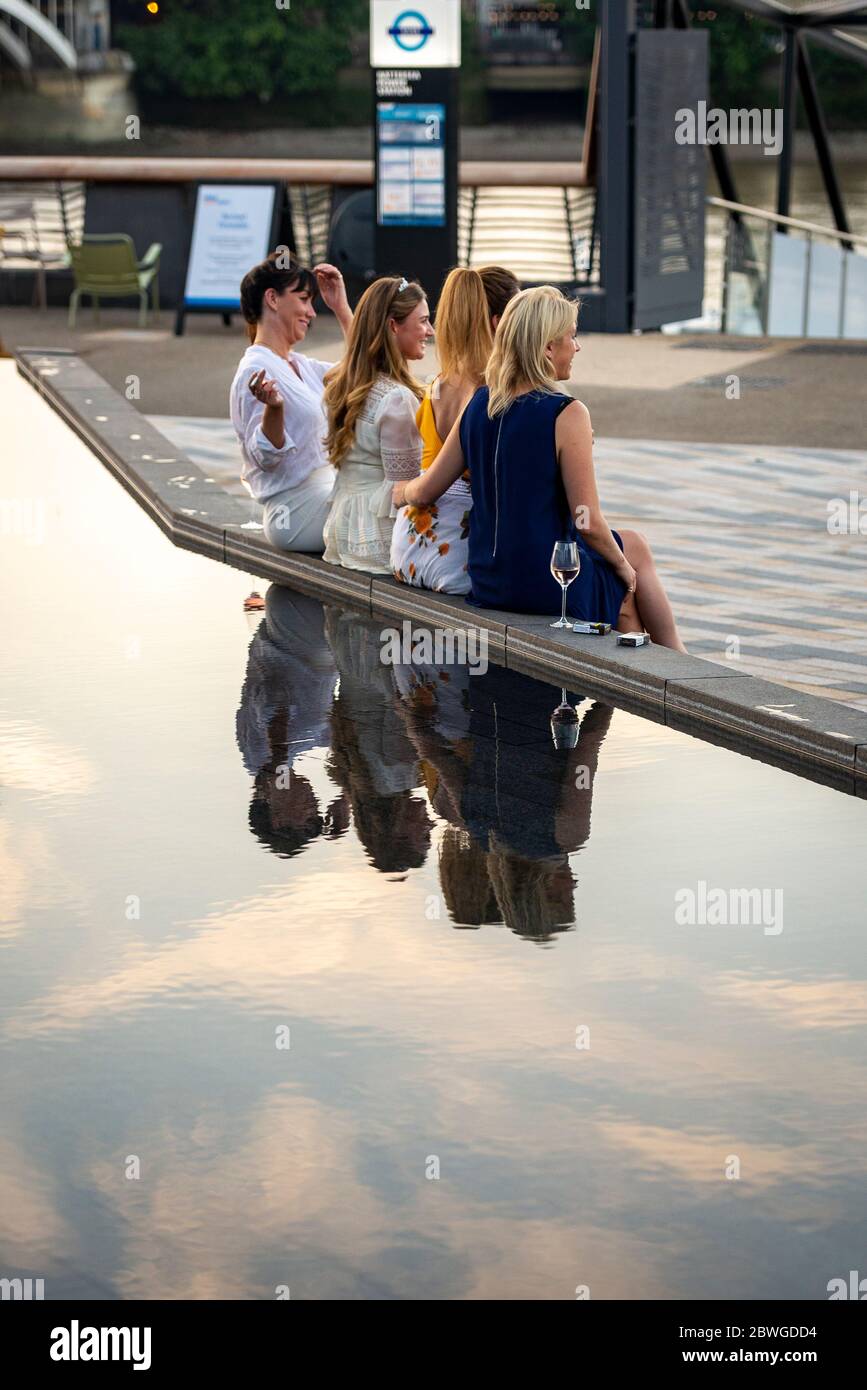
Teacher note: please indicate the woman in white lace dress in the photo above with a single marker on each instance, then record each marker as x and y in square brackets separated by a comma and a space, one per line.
[371, 400]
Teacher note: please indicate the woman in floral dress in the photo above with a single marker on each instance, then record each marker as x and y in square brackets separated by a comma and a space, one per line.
[429, 544]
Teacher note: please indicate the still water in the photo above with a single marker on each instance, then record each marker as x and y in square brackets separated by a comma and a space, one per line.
[326, 974]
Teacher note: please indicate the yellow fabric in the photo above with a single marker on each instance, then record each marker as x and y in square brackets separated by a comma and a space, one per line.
[431, 442]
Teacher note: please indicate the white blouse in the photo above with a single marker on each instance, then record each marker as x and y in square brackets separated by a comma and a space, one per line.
[266, 470]
[386, 449]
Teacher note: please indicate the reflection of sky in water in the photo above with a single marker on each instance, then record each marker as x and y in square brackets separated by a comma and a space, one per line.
[155, 1036]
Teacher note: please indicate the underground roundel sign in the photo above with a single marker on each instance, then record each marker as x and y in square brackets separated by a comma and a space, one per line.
[424, 34]
[411, 31]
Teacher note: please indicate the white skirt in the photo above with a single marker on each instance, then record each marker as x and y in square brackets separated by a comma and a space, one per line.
[294, 518]
[361, 520]
[429, 544]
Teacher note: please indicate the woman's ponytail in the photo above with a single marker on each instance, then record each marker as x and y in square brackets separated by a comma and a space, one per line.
[463, 325]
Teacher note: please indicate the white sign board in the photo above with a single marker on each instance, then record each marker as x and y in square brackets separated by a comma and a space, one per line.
[231, 233]
[426, 34]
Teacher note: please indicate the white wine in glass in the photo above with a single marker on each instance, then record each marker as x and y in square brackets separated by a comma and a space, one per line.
[565, 566]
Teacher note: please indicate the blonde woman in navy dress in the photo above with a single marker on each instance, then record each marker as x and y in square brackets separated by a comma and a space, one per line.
[529, 450]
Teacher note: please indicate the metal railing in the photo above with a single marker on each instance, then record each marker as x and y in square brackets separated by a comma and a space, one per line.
[539, 219]
[38, 222]
[749, 284]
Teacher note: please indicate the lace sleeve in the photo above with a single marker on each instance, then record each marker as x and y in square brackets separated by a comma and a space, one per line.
[399, 439]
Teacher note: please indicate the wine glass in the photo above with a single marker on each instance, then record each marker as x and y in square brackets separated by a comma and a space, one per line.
[564, 723]
[565, 566]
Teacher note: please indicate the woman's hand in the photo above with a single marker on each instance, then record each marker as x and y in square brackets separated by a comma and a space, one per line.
[266, 390]
[398, 495]
[628, 575]
[333, 291]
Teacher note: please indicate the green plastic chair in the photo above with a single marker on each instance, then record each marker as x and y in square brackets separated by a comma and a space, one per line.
[105, 266]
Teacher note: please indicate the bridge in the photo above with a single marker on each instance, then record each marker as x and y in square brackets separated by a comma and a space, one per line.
[33, 32]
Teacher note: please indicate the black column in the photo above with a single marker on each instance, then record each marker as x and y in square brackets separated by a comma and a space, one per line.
[422, 252]
[614, 165]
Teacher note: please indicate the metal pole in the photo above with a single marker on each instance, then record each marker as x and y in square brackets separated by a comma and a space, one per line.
[787, 102]
[818, 130]
[727, 270]
[570, 232]
[766, 303]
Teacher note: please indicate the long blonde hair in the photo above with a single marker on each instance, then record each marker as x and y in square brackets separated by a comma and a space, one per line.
[532, 320]
[468, 302]
[370, 352]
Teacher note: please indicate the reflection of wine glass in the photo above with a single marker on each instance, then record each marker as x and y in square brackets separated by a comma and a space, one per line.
[564, 723]
[565, 566]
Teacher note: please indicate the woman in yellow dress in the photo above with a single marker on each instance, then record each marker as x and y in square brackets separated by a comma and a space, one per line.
[429, 544]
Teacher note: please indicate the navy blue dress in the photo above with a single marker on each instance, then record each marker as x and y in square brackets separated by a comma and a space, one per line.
[520, 510]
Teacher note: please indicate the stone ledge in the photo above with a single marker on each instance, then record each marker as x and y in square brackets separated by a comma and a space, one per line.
[641, 672]
[823, 730]
[249, 550]
[805, 734]
[390, 598]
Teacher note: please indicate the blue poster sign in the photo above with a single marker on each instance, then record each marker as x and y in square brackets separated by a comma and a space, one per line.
[412, 164]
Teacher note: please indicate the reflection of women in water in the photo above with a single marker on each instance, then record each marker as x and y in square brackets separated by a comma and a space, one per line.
[284, 712]
[434, 706]
[371, 758]
[524, 803]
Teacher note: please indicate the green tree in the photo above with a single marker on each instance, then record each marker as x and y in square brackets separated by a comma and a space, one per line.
[234, 50]
[743, 60]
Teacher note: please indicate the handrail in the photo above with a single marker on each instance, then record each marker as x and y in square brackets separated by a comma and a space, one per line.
[472, 173]
[779, 219]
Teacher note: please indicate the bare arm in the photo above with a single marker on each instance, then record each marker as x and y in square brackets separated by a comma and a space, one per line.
[268, 392]
[574, 441]
[333, 291]
[446, 468]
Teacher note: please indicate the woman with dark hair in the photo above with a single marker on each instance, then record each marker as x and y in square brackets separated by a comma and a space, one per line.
[276, 398]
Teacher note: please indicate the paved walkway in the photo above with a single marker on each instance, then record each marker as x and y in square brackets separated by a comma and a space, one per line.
[752, 569]
[648, 386]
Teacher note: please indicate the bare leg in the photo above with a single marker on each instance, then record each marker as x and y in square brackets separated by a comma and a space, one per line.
[629, 619]
[650, 602]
